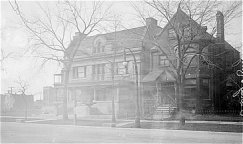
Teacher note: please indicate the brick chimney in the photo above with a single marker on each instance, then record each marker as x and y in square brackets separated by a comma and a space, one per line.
[220, 27]
[151, 22]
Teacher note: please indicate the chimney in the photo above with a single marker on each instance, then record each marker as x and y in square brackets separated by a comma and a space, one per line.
[220, 27]
[151, 22]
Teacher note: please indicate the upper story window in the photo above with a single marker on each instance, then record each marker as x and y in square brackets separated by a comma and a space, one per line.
[163, 61]
[187, 31]
[99, 44]
[205, 86]
[100, 48]
[171, 34]
[190, 55]
[98, 71]
[79, 72]
[120, 68]
[57, 78]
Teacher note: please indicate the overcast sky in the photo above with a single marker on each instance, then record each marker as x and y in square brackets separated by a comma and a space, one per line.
[14, 39]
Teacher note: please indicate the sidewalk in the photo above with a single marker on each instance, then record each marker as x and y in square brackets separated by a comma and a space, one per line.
[59, 117]
[216, 126]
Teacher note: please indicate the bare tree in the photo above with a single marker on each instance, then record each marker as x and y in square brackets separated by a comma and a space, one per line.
[51, 32]
[186, 32]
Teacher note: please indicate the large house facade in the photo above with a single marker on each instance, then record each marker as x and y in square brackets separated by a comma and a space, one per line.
[98, 71]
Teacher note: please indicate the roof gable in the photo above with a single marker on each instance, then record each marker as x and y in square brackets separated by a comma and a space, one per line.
[184, 17]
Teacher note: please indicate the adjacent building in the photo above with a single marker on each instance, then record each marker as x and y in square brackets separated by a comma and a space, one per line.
[16, 102]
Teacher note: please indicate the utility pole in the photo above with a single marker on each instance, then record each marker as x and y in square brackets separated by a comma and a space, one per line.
[125, 63]
[113, 86]
[75, 109]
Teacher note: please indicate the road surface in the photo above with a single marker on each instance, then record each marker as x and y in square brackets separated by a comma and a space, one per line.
[41, 133]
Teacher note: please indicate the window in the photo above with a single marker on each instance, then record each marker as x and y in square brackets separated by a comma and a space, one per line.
[121, 68]
[205, 84]
[154, 60]
[163, 61]
[98, 71]
[57, 78]
[171, 34]
[174, 50]
[190, 92]
[175, 63]
[100, 47]
[190, 52]
[187, 31]
[79, 72]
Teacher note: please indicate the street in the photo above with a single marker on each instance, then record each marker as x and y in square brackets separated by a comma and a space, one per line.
[12, 132]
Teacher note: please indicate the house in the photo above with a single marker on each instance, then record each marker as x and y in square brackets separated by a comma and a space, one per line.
[98, 72]
[99, 58]
[210, 78]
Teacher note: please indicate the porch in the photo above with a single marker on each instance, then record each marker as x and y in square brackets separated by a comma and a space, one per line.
[87, 99]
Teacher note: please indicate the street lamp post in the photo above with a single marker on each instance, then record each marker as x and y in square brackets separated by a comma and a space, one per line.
[75, 109]
[137, 119]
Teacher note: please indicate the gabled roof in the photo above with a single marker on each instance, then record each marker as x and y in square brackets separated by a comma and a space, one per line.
[165, 75]
[206, 35]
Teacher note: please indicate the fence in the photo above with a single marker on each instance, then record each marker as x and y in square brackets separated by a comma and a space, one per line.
[229, 112]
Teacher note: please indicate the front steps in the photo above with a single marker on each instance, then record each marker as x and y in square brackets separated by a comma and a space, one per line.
[163, 112]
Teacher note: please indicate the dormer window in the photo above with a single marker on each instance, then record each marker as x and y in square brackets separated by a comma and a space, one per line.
[100, 47]
[99, 44]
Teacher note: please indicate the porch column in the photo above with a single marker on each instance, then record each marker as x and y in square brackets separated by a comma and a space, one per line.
[117, 101]
[157, 90]
[94, 93]
[117, 94]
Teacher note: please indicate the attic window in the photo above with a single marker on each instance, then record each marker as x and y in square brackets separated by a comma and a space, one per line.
[99, 45]
[187, 31]
[171, 34]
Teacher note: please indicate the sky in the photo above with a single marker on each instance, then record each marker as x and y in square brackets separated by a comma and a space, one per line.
[22, 65]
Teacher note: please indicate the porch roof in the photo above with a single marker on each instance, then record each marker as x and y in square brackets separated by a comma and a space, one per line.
[163, 75]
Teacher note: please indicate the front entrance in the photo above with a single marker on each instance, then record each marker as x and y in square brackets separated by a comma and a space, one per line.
[166, 95]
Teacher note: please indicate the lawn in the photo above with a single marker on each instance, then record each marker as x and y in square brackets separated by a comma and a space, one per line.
[79, 122]
[13, 119]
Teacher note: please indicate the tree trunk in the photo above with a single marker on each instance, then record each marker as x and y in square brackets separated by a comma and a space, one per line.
[177, 95]
[179, 91]
[66, 78]
[67, 68]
